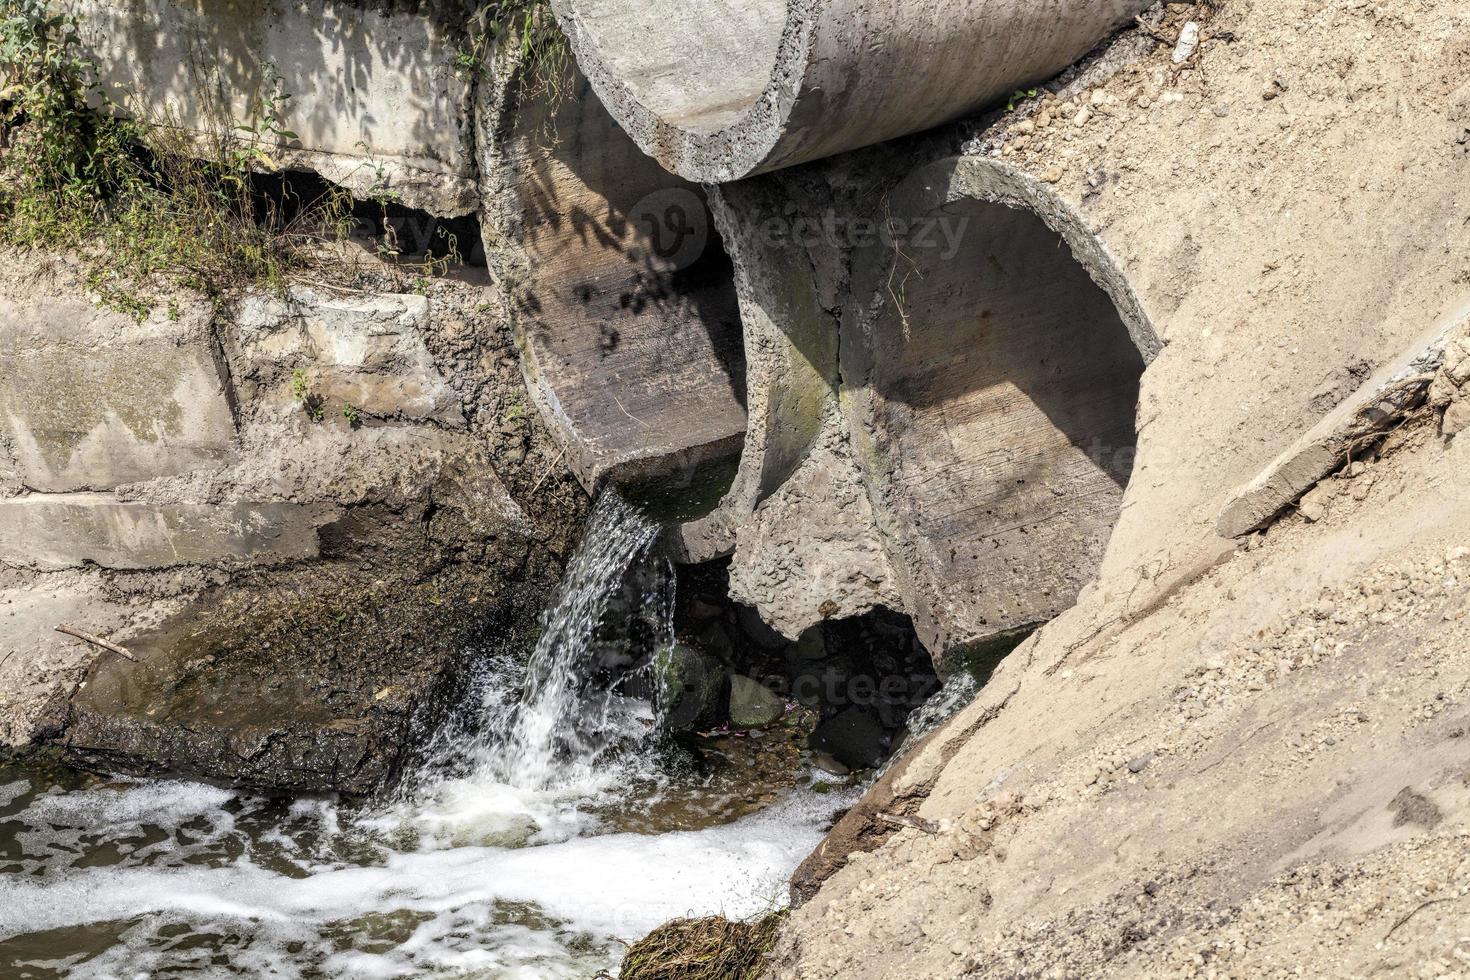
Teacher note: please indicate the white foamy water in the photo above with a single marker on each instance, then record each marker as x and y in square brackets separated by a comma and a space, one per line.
[462, 903]
[499, 862]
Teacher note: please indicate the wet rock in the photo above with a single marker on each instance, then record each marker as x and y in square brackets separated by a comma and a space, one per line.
[829, 765]
[692, 688]
[314, 684]
[811, 646]
[854, 737]
[752, 704]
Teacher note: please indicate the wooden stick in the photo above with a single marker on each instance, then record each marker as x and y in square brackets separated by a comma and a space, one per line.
[1421, 908]
[96, 641]
[1153, 32]
[912, 823]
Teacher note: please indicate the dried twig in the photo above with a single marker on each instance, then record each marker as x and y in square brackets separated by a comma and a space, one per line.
[912, 823]
[1404, 920]
[97, 641]
[551, 466]
[1153, 32]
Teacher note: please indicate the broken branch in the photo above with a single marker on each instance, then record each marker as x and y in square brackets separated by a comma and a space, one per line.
[912, 823]
[96, 641]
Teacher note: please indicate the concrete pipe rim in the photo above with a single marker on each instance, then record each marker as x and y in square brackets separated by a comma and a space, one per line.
[711, 140]
[957, 179]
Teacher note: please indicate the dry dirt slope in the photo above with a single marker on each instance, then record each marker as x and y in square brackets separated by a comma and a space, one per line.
[1229, 761]
[1271, 772]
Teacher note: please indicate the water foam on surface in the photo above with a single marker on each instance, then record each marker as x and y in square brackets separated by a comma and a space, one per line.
[497, 862]
[463, 901]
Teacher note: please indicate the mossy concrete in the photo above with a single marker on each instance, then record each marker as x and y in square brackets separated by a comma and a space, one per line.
[91, 400]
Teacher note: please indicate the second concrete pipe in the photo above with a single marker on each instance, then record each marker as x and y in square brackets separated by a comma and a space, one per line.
[717, 90]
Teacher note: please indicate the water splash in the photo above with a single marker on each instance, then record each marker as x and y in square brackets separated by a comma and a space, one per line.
[498, 863]
[556, 732]
[948, 701]
[553, 739]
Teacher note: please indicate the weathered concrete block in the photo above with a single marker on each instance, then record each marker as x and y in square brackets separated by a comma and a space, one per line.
[57, 531]
[365, 351]
[90, 399]
[812, 550]
[374, 93]
[1383, 400]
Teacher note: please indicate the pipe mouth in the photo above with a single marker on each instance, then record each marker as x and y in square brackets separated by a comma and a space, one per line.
[994, 380]
[625, 305]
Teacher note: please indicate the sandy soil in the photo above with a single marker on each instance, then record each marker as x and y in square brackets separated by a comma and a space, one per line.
[1231, 758]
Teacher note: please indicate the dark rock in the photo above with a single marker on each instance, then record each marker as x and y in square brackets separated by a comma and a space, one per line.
[692, 688]
[854, 737]
[715, 641]
[317, 684]
[752, 704]
[757, 631]
[811, 646]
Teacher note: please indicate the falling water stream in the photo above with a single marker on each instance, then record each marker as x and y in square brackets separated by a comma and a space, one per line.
[507, 855]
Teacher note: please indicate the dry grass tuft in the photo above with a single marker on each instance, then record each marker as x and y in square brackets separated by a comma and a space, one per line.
[704, 949]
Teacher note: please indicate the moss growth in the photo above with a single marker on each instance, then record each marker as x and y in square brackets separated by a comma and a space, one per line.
[981, 657]
[530, 29]
[704, 949]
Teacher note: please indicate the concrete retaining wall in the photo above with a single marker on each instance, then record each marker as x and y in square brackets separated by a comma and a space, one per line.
[56, 531]
[375, 94]
[91, 400]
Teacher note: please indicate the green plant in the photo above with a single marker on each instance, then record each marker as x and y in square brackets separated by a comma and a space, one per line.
[63, 162]
[138, 199]
[1019, 96]
[313, 404]
[516, 410]
[352, 415]
[300, 384]
[529, 27]
[268, 127]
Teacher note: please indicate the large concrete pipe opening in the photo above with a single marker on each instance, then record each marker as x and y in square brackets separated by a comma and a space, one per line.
[719, 89]
[625, 303]
[997, 393]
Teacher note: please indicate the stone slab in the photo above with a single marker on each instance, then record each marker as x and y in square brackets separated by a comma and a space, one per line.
[364, 351]
[91, 399]
[59, 531]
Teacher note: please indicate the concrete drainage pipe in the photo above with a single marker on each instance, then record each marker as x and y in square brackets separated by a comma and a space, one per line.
[624, 300]
[991, 386]
[717, 90]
